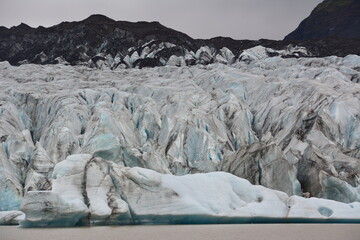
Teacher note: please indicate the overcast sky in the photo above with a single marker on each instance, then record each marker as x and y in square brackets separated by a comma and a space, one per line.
[239, 19]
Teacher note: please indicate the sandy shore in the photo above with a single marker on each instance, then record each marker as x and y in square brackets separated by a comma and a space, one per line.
[187, 232]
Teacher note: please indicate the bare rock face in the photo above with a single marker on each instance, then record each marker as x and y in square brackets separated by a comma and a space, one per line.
[330, 19]
[103, 43]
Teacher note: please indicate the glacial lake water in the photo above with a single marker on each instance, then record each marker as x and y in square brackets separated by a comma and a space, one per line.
[189, 232]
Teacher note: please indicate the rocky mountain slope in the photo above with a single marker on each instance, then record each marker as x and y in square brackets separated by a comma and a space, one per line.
[330, 19]
[75, 138]
[140, 44]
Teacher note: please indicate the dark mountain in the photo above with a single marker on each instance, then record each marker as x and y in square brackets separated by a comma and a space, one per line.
[101, 38]
[330, 19]
[76, 41]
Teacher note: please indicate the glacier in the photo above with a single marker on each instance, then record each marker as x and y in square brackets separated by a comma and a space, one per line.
[92, 191]
[207, 138]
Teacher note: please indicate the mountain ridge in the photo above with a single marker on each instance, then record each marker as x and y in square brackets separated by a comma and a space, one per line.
[78, 42]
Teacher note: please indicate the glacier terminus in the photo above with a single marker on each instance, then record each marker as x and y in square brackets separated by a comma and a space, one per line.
[207, 137]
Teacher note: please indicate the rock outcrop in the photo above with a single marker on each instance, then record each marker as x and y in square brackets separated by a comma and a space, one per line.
[101, 42]
[330, 19]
